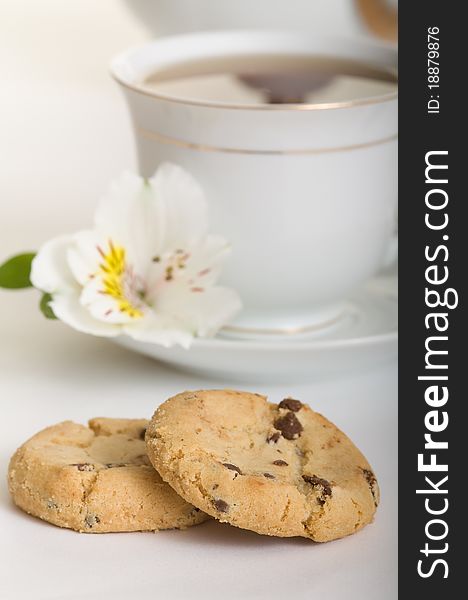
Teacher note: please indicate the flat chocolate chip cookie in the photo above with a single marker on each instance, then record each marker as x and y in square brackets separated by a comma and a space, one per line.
[281, 470]
[96, 479]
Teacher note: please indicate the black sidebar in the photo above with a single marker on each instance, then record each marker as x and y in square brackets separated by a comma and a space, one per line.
[433, 440]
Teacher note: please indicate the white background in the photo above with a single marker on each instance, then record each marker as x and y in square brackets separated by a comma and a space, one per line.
[64, 133]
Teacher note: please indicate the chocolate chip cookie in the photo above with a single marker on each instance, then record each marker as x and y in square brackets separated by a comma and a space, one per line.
[277, 469]
[96, 479]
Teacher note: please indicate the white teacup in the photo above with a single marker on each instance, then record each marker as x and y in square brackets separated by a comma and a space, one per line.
[306, 194]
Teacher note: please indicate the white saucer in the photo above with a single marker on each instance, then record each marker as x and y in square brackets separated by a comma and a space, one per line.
[366, 335]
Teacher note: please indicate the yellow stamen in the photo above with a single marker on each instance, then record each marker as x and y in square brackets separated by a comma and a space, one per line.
[113, 267]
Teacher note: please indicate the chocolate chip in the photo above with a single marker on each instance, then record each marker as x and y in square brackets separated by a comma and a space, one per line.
[232, 468]
[322, 484]
[290, 404]
[372, 481]
[274, 437]
[280, 463]
[269, 476]
[142, 433]
[370, 477]
[92, 520]
[83, 466]
[221, 505]
[289, 426]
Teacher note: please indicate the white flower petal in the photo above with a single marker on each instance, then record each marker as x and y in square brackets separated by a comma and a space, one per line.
[184, 204]
[160, 329]
[200, 270]
[203, 312]
[210, 310]
[131, 216]
[206, 260]
[49, 270]
[68, 309]
[83, 256]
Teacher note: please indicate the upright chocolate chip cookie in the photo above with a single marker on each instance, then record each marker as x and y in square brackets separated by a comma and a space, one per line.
[96, 479]
[280, 470]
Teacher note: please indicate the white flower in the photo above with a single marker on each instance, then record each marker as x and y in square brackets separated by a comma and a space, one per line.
[148, 268]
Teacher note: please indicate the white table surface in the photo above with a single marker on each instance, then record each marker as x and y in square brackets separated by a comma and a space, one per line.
[64, 134]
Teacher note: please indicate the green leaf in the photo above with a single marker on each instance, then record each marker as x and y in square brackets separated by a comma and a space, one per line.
[45, 307]
[15, 272]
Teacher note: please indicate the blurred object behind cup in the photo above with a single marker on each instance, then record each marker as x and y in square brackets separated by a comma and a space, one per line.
[352, 18]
